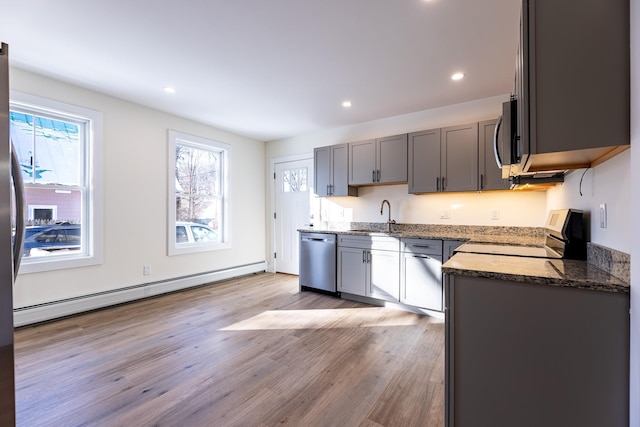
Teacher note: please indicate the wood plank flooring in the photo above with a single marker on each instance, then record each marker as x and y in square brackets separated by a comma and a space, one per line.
[247, 352]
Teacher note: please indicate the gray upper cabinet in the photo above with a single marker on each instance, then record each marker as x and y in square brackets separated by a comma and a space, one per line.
[459, 158]
[362, 162]
[444, 159]
[378, 161]
[490, 174]
[572, 83]
[424, 161]
[331, 166]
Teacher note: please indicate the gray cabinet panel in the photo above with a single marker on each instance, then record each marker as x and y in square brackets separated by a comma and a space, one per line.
[490, 174]
[459, 158]
[392, 159]
[422, 280]
[384, 280]
[322, 170]
[340, 171]
[362, 162]
[331, 166]
[378, 161]
[521, 354]
[560, 111]
[424, 161]
[351, 271]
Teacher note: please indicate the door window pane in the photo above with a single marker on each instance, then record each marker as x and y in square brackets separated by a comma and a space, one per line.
[294, 180]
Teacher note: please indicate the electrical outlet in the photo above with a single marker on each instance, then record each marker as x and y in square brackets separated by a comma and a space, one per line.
[146, 270]
[444, 214]
[495, 214]
[603, 215]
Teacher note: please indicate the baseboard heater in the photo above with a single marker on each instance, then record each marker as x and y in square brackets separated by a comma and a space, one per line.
[52, 310]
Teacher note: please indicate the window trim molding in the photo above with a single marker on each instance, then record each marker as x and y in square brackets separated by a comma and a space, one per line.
[173, 248]
[92, 166]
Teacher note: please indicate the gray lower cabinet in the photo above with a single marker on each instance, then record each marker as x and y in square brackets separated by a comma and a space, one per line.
[369, 266]
[421, 279]
[378, 161]
[524, 354]
[421, 273]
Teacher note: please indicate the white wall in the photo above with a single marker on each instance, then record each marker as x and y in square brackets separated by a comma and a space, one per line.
[608, 183]
[634, 419]
[135, 199]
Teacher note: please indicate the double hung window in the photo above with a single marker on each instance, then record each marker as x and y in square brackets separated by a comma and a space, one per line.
[58, 148]
[198, 199]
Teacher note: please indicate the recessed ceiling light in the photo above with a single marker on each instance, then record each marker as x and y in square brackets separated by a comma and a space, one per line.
[169, 89]
[457, 76]
[346, 104]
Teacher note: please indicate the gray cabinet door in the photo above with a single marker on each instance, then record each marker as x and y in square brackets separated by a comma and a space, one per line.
[422, 280]
[391, 159]
[384, 275]
[424, 161]
[535, 355]
[459, 158]
[352, 271]
[490, 174]
[340, 171]
[322, 170]
[362, 162]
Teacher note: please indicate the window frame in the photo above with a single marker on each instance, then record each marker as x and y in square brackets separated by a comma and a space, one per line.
[175, 139]
[92, 171]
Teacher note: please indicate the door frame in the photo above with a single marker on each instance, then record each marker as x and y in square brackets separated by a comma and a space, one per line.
[272, 178]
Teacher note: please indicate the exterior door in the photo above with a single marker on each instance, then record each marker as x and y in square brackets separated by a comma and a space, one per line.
[293, 193]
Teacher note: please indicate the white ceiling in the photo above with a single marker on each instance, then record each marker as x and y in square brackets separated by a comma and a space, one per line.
[271, 69]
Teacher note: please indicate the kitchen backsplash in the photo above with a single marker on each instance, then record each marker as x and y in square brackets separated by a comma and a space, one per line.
[495, 234]
[614, 262]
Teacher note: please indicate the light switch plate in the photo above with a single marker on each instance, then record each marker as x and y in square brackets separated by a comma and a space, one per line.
[603, 215]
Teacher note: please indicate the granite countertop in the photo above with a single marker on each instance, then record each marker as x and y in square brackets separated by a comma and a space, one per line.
[553, 272]
[485, 234]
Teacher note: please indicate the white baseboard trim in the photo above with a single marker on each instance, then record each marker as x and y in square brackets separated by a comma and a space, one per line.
[43, 312]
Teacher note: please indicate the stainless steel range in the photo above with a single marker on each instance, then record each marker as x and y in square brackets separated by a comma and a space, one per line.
[565, 238]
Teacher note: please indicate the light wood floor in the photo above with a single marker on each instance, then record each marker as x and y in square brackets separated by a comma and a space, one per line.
[247, 352]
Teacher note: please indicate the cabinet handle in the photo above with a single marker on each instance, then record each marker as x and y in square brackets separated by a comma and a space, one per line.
[378, 173]
[368, 257]
[438, 184]
[331, 188]
[364, 257]
[481, 181]
[496, 153]
[422, 256]
[373, 176]
[422, 246]
[443, 185]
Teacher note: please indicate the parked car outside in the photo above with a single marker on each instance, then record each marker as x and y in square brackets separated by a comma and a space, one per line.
[192, 232]
[48, 239]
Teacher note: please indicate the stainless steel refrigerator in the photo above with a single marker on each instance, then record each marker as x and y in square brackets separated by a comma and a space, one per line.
[11, 238]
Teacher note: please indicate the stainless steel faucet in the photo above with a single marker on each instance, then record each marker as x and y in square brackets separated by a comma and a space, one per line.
[389, 221]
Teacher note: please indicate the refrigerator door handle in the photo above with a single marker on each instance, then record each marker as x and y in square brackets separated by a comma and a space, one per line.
[18, 188]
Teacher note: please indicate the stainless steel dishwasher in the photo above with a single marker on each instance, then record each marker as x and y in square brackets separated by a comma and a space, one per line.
[318, 261]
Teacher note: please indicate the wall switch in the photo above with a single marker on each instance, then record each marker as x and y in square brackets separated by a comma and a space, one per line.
[603, 215]
[146, 270]
[444, 214]
[495, 214]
